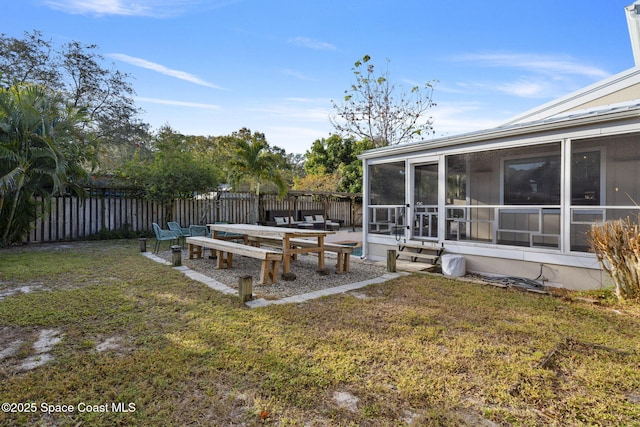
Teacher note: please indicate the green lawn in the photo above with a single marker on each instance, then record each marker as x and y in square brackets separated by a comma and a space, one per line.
[418, 350]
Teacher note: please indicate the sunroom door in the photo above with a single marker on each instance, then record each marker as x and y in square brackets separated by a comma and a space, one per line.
[425, 201]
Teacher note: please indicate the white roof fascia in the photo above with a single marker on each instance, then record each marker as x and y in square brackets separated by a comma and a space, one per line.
[502, 132]
[633, 23]
[590, 93]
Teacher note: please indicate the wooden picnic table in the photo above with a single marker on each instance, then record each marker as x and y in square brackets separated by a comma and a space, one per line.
[283, 233]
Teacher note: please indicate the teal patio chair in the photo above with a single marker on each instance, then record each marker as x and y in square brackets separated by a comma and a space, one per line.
[199, 230]
[181, 232]
[228, 235]
[163, 236]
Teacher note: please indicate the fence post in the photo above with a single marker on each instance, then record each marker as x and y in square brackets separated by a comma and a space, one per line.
[176, 255]
[391, 260]
[245, 288]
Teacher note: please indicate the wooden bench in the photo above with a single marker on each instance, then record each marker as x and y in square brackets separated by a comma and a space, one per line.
[224, 251]
[343, 252]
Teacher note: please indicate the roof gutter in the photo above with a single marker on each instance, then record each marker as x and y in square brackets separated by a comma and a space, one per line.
[500, 133]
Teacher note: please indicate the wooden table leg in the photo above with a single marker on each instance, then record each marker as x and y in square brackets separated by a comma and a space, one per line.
[340, 263]
[321, 253]
[286, 259]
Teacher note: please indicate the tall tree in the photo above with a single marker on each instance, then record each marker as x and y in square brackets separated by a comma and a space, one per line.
[295, 167]
[37, 156]
[254, 161]
[177, 168]
[337, 157]
[111, 122]
[29, 60]
[317, 183]
[376, 109]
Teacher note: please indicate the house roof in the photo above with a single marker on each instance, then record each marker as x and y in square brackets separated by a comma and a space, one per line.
[616, 89]
[614, 98]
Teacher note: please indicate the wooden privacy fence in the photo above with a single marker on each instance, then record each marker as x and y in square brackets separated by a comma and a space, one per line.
[73, 218]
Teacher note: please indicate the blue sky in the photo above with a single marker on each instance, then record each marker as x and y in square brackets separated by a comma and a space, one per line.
[211, 67]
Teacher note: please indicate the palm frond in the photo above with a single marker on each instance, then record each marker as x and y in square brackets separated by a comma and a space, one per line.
[9, 181]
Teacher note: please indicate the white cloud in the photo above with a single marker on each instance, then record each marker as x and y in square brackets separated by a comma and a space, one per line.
[296, 74]
[296, 109]
[525, 89]
[534, 63]
[311, 44]
[539, 76]
[182, 75]
[456, 88]
[151, 8]
[454, 118]
[178, 103]
[100, 7]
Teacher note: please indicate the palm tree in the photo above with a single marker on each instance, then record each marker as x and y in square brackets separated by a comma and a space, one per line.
[35, 132]
[254, 162]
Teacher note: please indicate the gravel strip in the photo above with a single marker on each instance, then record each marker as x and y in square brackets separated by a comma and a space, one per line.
[308, 279]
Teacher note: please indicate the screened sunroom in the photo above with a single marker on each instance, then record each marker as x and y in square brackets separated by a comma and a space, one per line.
[514, 195]
[536, 197]
[518, 199]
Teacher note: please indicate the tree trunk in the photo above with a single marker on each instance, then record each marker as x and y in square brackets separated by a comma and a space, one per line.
[256, 206]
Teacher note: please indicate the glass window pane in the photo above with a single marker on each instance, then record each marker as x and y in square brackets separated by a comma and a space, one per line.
[456, 179]
[426, 184]
[585, 178]
[387, 184]
[532, 181]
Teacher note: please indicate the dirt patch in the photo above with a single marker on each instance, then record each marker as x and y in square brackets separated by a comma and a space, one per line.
[23, 289]
[23, 349]
[10, 349]
[46, 340]
[112, 343]
[346, 400]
